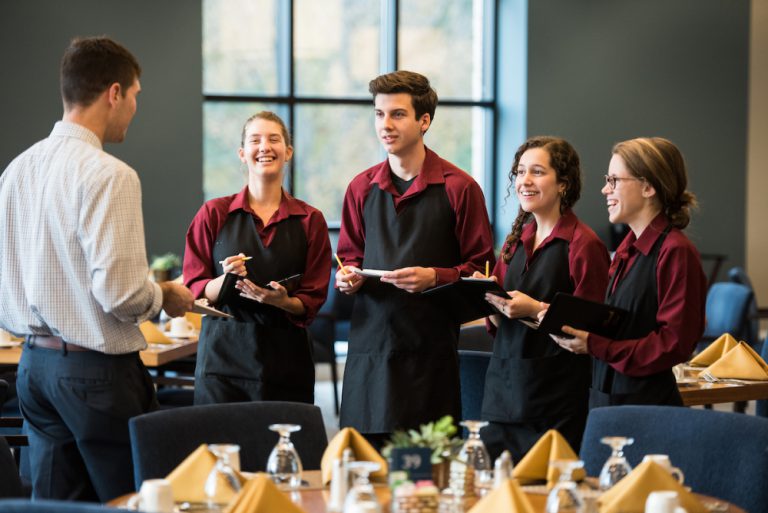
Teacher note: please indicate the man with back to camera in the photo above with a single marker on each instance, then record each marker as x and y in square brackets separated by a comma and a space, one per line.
[74, 282]
[423, 219]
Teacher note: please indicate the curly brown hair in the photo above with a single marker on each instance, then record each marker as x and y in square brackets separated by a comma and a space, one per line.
[565, 161]
[659, 162]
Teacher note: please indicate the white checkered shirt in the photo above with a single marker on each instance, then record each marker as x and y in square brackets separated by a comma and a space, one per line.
[72, 256]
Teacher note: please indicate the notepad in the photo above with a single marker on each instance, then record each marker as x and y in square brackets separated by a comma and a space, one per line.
[371, 273]
[582, 314]
[202, 308]
[465, 299]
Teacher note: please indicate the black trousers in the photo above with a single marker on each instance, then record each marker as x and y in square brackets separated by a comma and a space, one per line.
[76, 406]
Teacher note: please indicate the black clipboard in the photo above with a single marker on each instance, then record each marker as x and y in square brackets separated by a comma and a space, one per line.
[465, 300]
[582, 314]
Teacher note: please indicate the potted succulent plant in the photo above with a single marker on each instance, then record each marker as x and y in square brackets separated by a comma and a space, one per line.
[164, 267]
[439, 436]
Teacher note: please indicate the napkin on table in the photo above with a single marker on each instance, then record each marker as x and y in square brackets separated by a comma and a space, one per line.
[715, 350]
[195, 319]
[362, 450]
[741, 362]
[260, 495]
[152, 334]
[629, 494]
[188, 479]
[508, 497]
[535, 464]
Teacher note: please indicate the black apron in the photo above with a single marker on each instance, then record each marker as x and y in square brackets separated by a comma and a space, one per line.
[259, 355]
[402, 366]
[636, 292]
[532, 384]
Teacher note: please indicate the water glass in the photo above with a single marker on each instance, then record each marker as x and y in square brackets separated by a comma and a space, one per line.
[362, 497]
[565, 496]
[617, 466]
[223, 476]
[284, 465]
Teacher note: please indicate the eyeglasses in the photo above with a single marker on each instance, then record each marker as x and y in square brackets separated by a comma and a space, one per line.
[611, 180]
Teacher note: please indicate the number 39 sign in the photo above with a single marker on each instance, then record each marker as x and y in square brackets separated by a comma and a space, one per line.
[413, 460]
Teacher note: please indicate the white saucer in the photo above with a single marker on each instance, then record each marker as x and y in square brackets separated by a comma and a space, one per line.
[188, 334]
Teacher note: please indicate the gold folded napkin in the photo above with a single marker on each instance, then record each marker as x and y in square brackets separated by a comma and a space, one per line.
[508, 497]
[188, 479]
[361, 449]
[152, 334]
[715, 350]
[629, 494]
[535, 464]
[741, 362]
[260, 495]
[195, 319]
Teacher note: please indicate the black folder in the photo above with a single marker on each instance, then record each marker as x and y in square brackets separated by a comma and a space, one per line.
[582, 314]
[465, 300]
[229, 295]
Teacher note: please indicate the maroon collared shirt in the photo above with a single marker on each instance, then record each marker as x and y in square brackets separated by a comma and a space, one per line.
[682, 296]
[472, 228]
[205, 227]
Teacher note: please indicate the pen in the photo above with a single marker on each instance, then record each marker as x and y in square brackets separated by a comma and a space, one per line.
[486, 268]
[243, 259]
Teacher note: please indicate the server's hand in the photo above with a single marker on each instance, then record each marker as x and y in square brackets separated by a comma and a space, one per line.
[412, 279]
[347, 281]
[577, 344]
[516, 305]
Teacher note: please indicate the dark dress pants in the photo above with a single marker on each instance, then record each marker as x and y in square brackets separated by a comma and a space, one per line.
[76, 406]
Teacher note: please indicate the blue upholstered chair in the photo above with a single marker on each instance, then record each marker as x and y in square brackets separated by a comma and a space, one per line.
[761, 407]
[727, 311]
[47, 506]
[161, 440]
[475, 338]
[755, 313]
[724, 455]
[472, 367]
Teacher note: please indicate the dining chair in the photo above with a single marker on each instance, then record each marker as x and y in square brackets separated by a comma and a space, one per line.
[739, 275]
[761, 406]
[722, 454]
[472, 368]
[162, 439]
[10, 483]
[53, 506]
[727, 311]
[475, 337]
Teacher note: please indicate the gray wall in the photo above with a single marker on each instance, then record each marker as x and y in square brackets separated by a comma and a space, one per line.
[600, 71]
[164, 143]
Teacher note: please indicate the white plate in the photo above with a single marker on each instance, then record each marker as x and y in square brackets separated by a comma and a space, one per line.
[371, 273]
[687, 381]
[188, 334]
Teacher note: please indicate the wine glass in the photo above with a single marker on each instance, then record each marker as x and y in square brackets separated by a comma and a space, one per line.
[284, 465]
[616, 466]
[362, 497]
[222, 475]
[565, 496]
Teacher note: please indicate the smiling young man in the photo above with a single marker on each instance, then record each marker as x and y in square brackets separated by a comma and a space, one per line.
[424, 220]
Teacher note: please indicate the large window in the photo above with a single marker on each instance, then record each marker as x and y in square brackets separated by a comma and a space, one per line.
[310, 61]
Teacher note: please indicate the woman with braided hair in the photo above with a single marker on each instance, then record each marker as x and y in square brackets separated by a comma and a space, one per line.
[656, 274]
[532, 384]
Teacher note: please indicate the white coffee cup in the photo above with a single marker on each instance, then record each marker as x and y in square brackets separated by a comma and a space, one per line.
[663, 460]
[155, 496]
[5, 337]
[180, 327]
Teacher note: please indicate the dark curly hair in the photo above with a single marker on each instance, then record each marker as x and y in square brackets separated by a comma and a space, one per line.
[565, 161]
[659, 162]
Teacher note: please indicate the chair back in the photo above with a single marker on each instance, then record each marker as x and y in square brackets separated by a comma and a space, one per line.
[50, 506]
[724, 455]
[10, 484]
[475, 337]
[472, 368]
[739, 275]
[727, 311]
[162, 439]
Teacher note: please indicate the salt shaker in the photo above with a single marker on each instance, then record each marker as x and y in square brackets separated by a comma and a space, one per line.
[339, 486]
[502, 469]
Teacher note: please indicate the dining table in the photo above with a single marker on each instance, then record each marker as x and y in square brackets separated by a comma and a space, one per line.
[697, 391]
[313, 497]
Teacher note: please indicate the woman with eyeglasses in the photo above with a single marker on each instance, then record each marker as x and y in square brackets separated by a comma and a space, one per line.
[656, 274]
[532, 385]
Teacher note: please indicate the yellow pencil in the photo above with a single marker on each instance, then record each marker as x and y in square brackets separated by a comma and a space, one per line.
[243, 259]
[486, 268]
[341, 266]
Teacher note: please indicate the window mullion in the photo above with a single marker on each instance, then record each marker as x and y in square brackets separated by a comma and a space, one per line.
[388, 36]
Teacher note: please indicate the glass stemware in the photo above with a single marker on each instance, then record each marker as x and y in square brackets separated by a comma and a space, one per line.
[223, 475]
[616, 466]
[284, 465]
[565, 496]
[362, 497]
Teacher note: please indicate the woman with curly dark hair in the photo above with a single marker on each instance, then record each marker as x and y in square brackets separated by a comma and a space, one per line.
[532, 384]
[656, 274]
